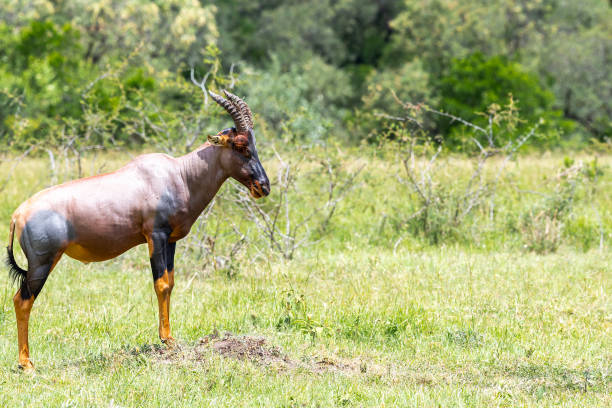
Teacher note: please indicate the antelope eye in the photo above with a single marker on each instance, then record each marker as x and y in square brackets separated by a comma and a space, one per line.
[243, 149]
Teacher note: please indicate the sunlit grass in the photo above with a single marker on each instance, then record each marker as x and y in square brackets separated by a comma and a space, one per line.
[405, 325]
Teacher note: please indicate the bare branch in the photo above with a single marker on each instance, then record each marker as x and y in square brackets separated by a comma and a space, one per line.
[398, 118]
[202, 84]
[92, 84]
[456, 119]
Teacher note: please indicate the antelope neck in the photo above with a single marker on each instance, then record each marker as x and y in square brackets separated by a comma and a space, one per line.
[202, 175]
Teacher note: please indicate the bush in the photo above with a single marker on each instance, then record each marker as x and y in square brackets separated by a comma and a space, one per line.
[552, 220]
[475, 83]
[300, 103]
[40, 67]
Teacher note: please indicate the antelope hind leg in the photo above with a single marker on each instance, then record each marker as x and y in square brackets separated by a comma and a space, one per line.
[43, 240]
[23, 302]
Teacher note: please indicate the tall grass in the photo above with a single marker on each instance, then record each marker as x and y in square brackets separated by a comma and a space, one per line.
[482, 318]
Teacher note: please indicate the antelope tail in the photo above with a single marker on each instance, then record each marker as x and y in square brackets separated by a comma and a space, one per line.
[15, 272]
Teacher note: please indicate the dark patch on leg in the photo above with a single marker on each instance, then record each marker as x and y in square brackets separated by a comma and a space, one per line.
[43, 239]
[158, 259]
[37, 276]
[170, 249]
[168, 206]
[163, 251]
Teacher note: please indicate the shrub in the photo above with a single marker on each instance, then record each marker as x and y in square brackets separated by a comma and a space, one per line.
[301, 103]
[475, 83]
[544, 226]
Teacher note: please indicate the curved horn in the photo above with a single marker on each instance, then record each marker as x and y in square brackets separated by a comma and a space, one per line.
[235, 112]
[244, 108]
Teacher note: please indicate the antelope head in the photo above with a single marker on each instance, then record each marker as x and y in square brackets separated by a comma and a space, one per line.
[239, 156]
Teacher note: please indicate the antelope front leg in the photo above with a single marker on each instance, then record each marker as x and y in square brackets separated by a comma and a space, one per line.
[162, 266]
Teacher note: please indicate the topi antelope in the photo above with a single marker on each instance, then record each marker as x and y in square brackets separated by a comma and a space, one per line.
[154, 199]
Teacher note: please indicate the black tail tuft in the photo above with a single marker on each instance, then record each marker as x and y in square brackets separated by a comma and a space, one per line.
[15, 272]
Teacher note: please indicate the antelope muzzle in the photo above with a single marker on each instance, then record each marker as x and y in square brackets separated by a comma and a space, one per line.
[259, 185]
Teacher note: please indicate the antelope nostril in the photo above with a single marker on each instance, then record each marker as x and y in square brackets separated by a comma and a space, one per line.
[265, 189]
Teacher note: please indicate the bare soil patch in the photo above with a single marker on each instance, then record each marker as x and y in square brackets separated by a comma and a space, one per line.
[246, 348]
[255, 349]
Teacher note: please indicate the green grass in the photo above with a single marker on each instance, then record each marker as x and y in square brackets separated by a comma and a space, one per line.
[479, 322]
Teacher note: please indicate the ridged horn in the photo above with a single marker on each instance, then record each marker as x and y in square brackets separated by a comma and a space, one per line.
[244, 108]
[233, 110]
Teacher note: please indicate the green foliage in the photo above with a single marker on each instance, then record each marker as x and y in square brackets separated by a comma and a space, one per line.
[82, 71]
[544, 226]
[39, 79]
[567, 44]
[302, 103]
[347, 33]
[437, 31]
[474, 83]
[310, 67]
[410, 83]
[384, 91]
[578, 66]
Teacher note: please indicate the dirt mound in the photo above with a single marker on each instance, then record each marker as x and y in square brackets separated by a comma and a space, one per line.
[255, 349]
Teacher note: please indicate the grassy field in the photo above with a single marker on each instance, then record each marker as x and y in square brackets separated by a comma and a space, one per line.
[369, 313]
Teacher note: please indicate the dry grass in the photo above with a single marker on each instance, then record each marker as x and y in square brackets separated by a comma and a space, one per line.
[354, 320]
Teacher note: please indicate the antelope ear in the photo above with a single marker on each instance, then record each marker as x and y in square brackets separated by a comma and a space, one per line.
[218, 139]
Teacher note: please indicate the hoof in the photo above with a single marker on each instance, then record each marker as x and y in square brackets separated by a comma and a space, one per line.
[26, 367]
[170, 343]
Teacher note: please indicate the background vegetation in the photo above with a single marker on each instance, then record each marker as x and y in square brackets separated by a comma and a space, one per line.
[309, 69]
[439, 227]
